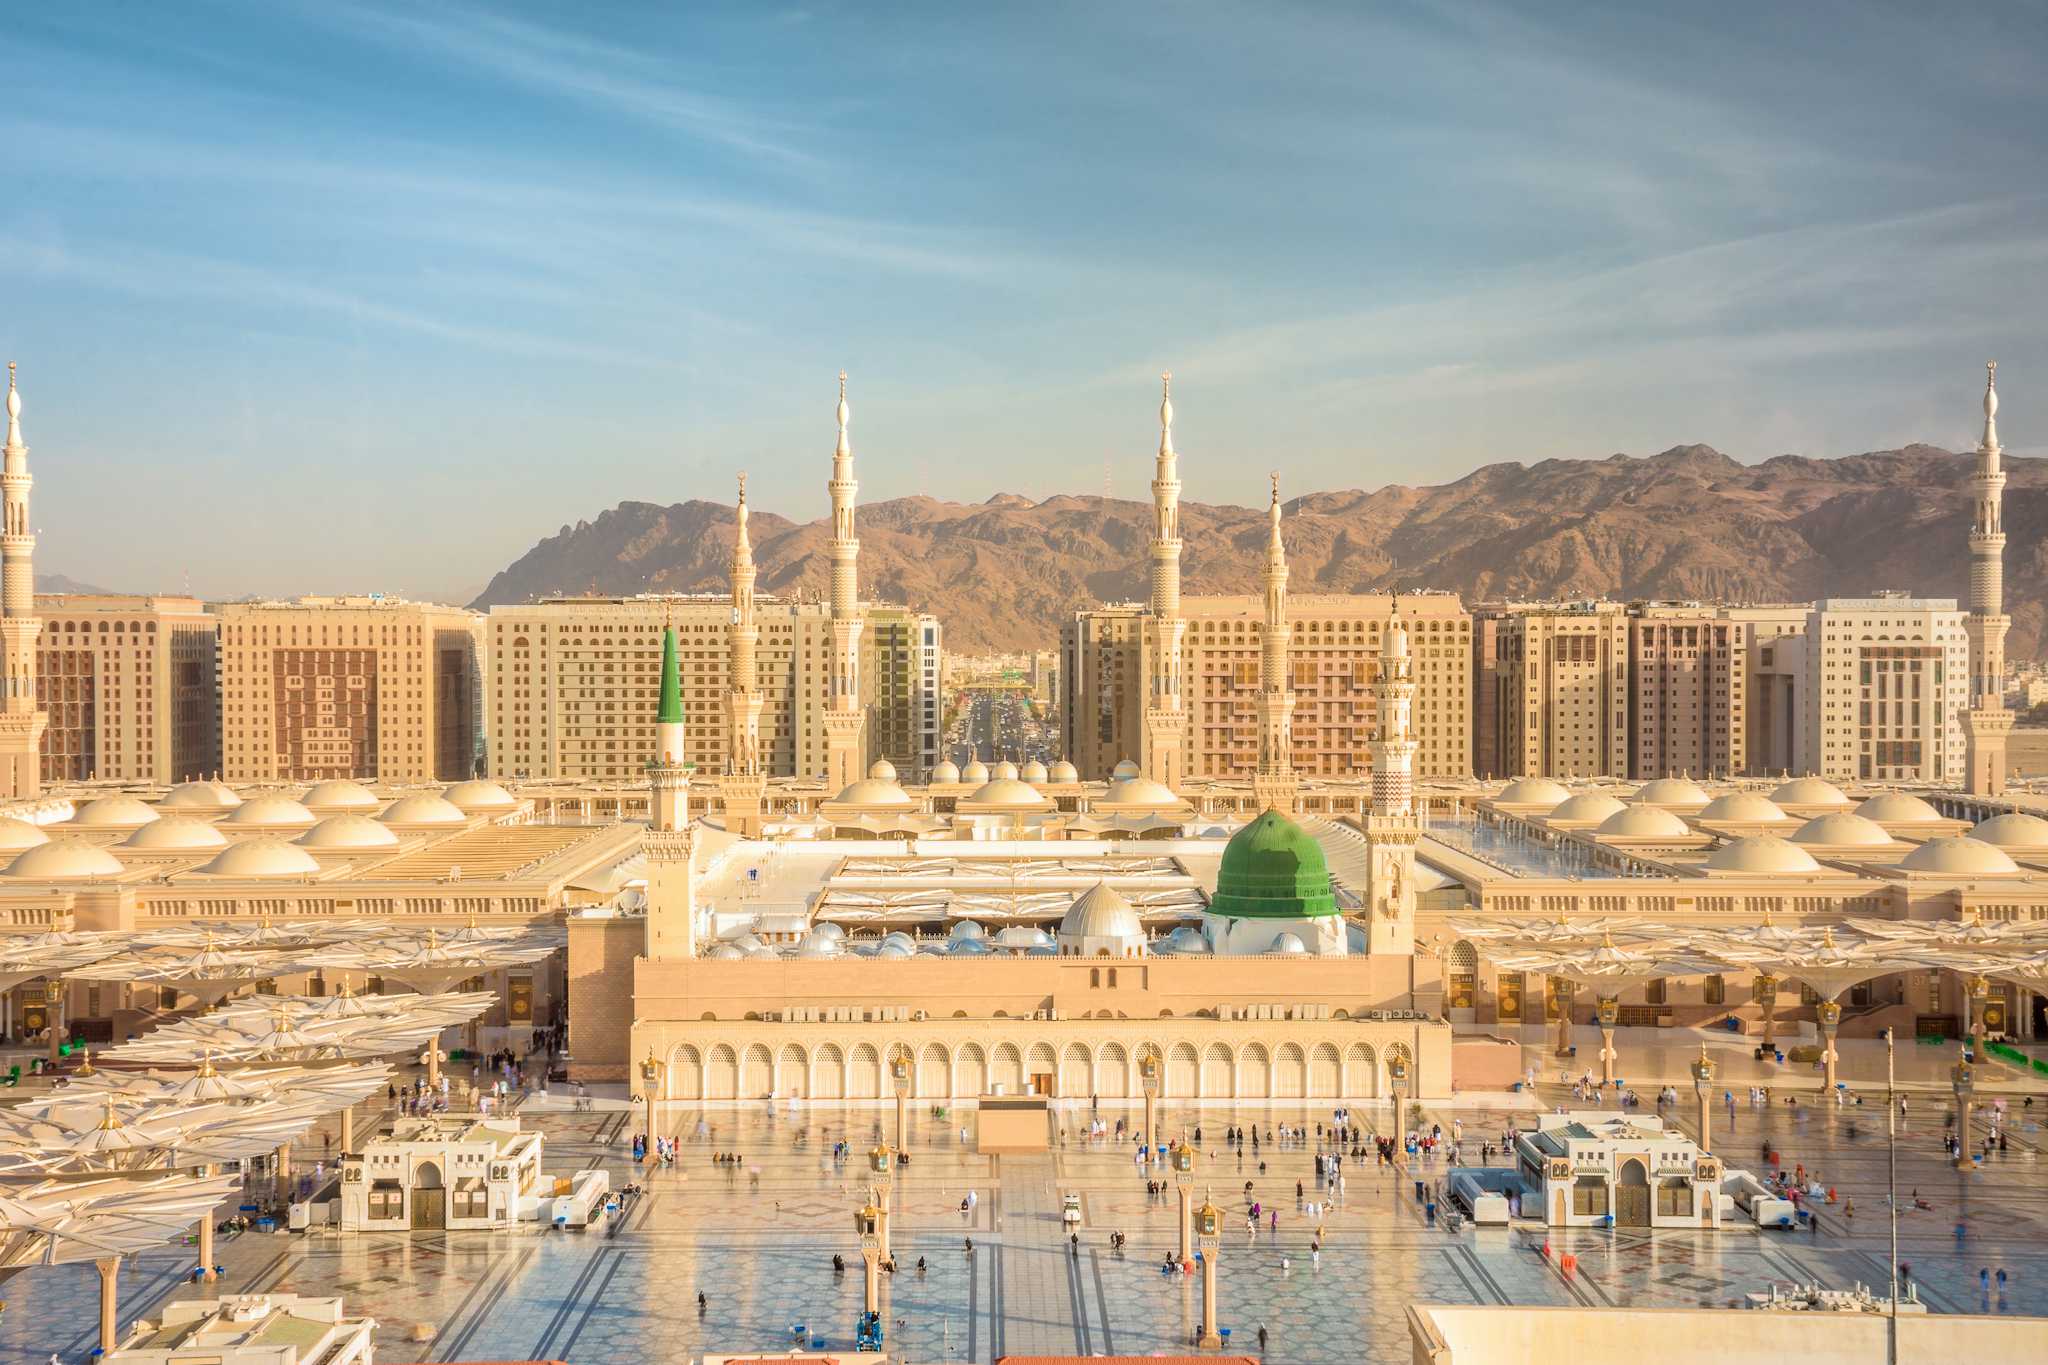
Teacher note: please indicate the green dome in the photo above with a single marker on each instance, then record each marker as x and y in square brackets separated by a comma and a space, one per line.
[1272, 869]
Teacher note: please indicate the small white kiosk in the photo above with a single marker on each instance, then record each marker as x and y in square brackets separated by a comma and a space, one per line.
[447, 1171]
[1624, 1167]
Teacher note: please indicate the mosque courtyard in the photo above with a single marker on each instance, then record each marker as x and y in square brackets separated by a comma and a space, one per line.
[757, 1240]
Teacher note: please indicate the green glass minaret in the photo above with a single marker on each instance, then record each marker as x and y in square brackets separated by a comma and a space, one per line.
[671, 712]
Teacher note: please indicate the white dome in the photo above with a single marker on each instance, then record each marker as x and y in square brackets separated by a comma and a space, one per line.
[967, 928]
[815, 944]
[270, 812]
[262, 858]
[1761, 853]
[1678, 793]
[875, 791]
[339, 794]
[2013, 830]
[883, 769]
[114, 812]
[478, 797]
[1809, 791]
[947, 771]
[830, 930]
[1034, 771]
[1898, 808]
[1643, 822]
[1139, 791]
[1005, 771]
[1533, 791]
[208, 796]
[1006, 791]
[63, 860]
[725, 952]
[1843, 828]
[1288, 943]
[1122, 770]
[16, 835]
[1063, 771]
[1959, 857]
[968, 947]
[1744, 808]
[1588, 808]
[1099, 912]
[177, 834]
[898, 936]
[1022, 936]
[889, 950]
[348, 833]
[422, 809]
[975, 772]
[1186, 939]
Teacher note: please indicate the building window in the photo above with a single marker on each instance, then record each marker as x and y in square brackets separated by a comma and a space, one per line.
[1589, 1195]
[1715, 990]
[1674, 1199]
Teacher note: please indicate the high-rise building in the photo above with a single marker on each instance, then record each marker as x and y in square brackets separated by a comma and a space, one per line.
[1775, 723]
[130, 686]
[1887, 682]
[1986, 722]
[348, 687]
[1688, 695]
[1102, 687]
[21, 719]
[903, 660]
[1559, 702]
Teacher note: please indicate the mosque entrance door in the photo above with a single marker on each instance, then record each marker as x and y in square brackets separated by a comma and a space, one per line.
[1041, 1083]
[1632, 1196]
[429, 1198]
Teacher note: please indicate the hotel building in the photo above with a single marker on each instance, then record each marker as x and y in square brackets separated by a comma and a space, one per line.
[131, 688]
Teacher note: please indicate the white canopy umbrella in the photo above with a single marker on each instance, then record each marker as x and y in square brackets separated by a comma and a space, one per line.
[1609, 968]
[1828, 966]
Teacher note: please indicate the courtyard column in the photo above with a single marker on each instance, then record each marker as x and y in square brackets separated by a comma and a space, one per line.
[348, 1128]
[651, 1073]
[1148, 1079]
[206, 1236]
[1703, 1086]
[1184, 1179]
[110, 1272]
[867, 1222]
[434, 1062]
[1208, 1235]
[284, 1167]
[1397, 1072]
[882, 1163]
[1563, 992]
[1830, 1014]
[1965, 1083]
[56, 1013]
[1609, 1008]
[899, 1077]
[1767, 999]
[1980, 991]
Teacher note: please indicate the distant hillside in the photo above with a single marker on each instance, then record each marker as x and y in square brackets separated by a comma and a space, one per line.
[1687, 523]
[57, 582]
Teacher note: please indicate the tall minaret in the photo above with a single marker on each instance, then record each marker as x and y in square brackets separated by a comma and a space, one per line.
[1273, 786]
[744, 783]
[1165, 714]
[21, 723]
[1391, 827]
[1986, 723]
[845, 720]
[669, 841]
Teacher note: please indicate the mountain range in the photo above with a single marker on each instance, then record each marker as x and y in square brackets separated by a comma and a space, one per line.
[1688, 523]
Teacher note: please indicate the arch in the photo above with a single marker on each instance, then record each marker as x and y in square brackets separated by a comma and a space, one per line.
[1040, 1061]
[1632, 1194]
[722, 1074]
[1325, 1072]
[828, 1073]
[427, 1176]
[1361, 1073]
[864, 1073]
[1112, 1072]
[1463, 957]
[1254, 1072]
[1217, 1068]
[1183, 1072]
[757, 1073]
[935, 1073]
[970, 1071]
[1290, 1072]
[1006, 1072]
[684, 1079]
[1077, 1071]
[793, 1071]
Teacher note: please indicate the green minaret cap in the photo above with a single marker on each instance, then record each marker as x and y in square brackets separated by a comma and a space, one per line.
[1273, 869]
[671, 712]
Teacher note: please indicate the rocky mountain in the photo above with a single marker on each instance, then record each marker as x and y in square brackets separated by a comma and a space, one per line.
[1689, 523]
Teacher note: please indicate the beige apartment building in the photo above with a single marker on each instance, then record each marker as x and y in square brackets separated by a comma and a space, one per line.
[1887, 682]
[130, 684]
[369, 688]
[1554, 689]
[1332, 661]
[1775, 721]
[1688, 700]
[573, 685]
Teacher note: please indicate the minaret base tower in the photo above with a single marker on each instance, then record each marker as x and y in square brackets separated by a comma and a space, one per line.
[21, 721]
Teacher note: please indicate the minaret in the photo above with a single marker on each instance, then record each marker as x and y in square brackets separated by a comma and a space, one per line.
[1391, 826]
[21, 723]
[1165, 715]
[1274, 786]
[744, 785]
[669, 841]
[1986, 723]
[845, 721]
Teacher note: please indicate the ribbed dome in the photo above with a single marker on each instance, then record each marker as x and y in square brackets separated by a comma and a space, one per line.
[200, 796]
[262, 858]
[1021, 936]
[270, 812]
[1033, 771]
[1643, 822]
[967, 947]
[177, 834]
[1959, 857]
[1588, 808]
[1761, 853]
[967, 928]
[1809, 791]
[422, 810]
[947, 772]
[114, 812]
[1677, 793]
[350, 833]
[1272, 869]
[976, 772]
[478, 797]
[1006, 791]
[817, 945]
[2013, 830]
[1898, 808]
[725, 952]
[1005, 771]
[337, 795]
[1842, 828]
[1289, 944]
[882, 768]
[1099, 912]
[1126, 768]
[1533, 791]
[63, 860]
[16, 835]
[875, 791]
[1186, 939]
[1063, 771]
[1139, 791]
[1744, 808]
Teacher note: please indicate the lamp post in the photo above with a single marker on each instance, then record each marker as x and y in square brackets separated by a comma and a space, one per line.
[1148, 1079]
[1208, 1234]
[1183, 1161]
[1980, 991]
[882, 1165]
[1397, 1072]
[899, 1077]
[1965, 1082]
[1830, 1014]
[1609, 1014]
[651, 1072]
[1703, 1086]
[867, 1221]
[1562, 992]
[1767, 999]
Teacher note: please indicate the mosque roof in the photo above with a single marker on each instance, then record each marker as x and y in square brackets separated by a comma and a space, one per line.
[64, 860]
[1063, 771]
[1761, 853]
[200, 795]
[1898, 808]
[114, 812]
[1139, 791]
[947, 771]
[1273, 869]
[176, 834]
[16, 835]
[267, 857]
[1681, 793]
[1842, 828]
[875, 791]
[1959, 856]
[2015, 829]
[1744, 808]
[478, 797]
[348, 833]
[339, 794]
[422, 808]
[1809, 791]
[1006, 791]
[1099, 912]
[1643, 822]
[270, 810]
[1533, 791]
[1587, 807]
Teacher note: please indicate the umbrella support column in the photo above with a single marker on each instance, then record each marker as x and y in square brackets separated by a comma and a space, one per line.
[284, 1169]
[110, 1271]
[348, 1128]
[1610, 1012]
[56, 1021]
[1830, 1019]
[206, 1240]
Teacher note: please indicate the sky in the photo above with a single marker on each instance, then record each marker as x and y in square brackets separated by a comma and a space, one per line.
[314, 296]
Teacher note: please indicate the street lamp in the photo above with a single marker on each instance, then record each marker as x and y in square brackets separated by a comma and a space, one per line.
[650, 1088]
[882, 1165]
[867, 1223]
[1397, 1072]
[1148, 1079]
[899, 1077]
[1980, 992]
[1208, 1232]
[1766, 990]
[1703, 1085]
[1964, 1079]
[1183, 1162]
[1609, 1014]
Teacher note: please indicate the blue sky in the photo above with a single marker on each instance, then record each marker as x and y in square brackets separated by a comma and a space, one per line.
[318, 296]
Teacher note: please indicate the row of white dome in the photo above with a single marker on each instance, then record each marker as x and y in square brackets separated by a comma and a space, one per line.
[1682, 793]
[1949, 856]
[193, 800]
[1002, 785]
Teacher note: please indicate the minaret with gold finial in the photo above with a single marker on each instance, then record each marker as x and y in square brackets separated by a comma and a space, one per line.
[670, 843]
[1391, 825]
[1273, 785]
[845, 717]
[21, 722]
[744, 784]
[1986, 722]
[1166, 720]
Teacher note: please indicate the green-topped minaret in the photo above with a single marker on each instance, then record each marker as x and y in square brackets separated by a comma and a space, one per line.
[671, 712]
[671, 896]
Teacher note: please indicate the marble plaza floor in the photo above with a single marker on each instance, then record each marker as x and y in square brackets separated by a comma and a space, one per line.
[757, 1242]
